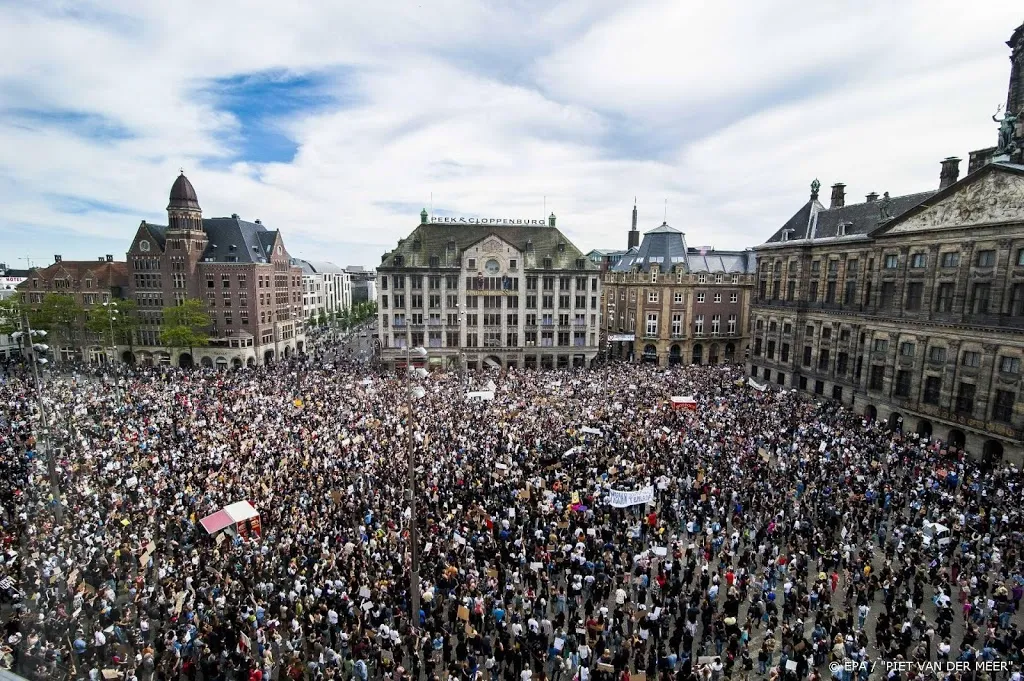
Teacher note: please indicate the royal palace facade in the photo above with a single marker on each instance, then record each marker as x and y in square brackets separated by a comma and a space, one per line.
[909, 309]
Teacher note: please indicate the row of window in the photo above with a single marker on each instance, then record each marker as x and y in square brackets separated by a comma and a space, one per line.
[653, 296]
[480, 282]
[511, 302]
[496, 339]
[489, 319]
[678, 323]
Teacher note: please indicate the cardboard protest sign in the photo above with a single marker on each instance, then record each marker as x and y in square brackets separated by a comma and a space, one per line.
[463, 613]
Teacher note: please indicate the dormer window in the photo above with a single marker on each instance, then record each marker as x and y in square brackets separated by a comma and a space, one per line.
[399, 261]
[842, 229]
[785, 234]
[561, 247]
[547, 263]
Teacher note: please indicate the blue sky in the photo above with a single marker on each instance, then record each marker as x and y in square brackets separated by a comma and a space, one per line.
[337, 122]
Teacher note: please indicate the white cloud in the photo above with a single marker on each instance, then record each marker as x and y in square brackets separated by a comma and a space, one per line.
[727, 112]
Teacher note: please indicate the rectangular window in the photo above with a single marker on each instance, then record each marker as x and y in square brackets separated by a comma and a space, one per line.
[784, 352]
[652, 324]
[887, 295]
[816, 266]
[719, 278]
[902, 388]
[677, 324]
[915, 292]
[513, 264]
[1009, 365]
[718, 297]
[850, 293]
[965, 399]
[702, 278]
[732, 325]
[880, 345]
[823, 359]
[1002, 407]
[791, 290]
[877, 377]
[907, 349]
[971, 359]
[677, 297]
[833, 266]
[980, 296]
[734, 297]
[986, 258]
[944, 298]
[652, 296]
[892, 261]
[951, 259]
[757, 347]
[813, 293]
[716, 324]
[918, 260]
[807, 355]
[932, 390]
[698, 325]
[471, 264]
[770, 352]
[700, 297]
[842, 359]
[937, 354]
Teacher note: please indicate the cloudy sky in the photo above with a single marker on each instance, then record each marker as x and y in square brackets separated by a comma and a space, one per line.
[335, 121]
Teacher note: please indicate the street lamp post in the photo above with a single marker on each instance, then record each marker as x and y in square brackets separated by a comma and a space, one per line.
[414, 572]
[44, 425]
[112, 311]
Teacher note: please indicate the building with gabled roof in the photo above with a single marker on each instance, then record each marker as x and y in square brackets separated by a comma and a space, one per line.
[497, 294]
[239, 269]
[908, 309]
[90, 283]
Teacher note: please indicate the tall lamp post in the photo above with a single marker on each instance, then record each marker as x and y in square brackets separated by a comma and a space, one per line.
[412, 392]
[112, 311]
[44, 425]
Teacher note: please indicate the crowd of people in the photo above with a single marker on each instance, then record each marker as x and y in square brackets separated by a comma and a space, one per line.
[786, 538]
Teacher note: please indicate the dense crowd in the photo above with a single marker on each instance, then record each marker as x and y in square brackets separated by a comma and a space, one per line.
[784, 533]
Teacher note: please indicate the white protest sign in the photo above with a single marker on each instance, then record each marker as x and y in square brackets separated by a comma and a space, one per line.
[622, 499]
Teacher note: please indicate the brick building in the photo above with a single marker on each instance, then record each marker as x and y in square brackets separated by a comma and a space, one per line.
[668, 303]
[91, 283]
[239, 269]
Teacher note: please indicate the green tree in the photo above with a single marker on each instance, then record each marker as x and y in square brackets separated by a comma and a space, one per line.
[122, 316]
[322, 321]
[62, 316]
[185, 325]
[11, 310]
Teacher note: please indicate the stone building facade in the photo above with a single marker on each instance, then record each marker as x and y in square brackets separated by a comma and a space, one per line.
[492, 295]
[909, 309]
[667, 303]
[240, 270]
[912, 313]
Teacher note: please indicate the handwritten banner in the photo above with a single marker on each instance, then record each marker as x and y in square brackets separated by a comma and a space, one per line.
[620, 499]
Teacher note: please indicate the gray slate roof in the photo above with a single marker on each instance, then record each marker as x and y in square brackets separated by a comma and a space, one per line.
[234, 237]
[859, 218]
[317, 266]
[434, 239]
[252, 242]
[666, 247]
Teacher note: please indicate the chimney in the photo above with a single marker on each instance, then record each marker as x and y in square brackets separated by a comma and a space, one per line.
[950, 172]
[873, 196]
[258, 221]
[633, 238]
[56, 258]
[100, 258]
[110, 258]
[838, 195]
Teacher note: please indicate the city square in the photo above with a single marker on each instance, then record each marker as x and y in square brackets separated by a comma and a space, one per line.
[740, 433]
